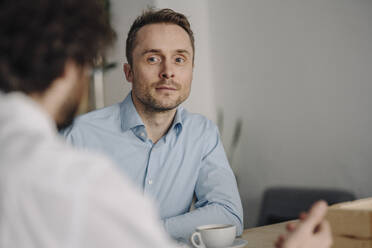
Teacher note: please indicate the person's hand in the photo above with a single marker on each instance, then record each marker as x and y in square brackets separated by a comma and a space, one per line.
[312, 230]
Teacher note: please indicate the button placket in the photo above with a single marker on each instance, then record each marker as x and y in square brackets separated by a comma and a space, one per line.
[151, 169]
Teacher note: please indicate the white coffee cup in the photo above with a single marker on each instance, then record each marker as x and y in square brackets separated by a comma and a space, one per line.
[214, 236]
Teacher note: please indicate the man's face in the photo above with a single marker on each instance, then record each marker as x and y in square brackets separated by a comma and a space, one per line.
[161, 73]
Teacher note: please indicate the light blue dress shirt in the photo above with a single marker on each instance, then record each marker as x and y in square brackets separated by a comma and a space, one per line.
[189, 159]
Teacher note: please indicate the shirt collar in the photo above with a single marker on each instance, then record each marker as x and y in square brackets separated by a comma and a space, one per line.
[177, 122]
[131, 119]
[128, 114]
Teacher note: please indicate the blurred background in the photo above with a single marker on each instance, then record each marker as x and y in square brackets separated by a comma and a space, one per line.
[289, 83]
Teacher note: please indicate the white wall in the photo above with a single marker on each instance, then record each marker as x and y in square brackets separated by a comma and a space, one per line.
[299, 74]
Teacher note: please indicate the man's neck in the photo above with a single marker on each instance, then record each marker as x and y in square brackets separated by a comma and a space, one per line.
[156, 123]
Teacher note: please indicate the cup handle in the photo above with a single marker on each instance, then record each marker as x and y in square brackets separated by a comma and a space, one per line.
[199, 242]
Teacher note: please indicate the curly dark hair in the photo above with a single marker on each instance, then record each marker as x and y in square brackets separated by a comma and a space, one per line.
[38, 37]
[152, 16]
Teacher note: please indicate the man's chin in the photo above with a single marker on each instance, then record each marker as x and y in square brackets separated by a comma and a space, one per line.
[165, 106]
[160, 103]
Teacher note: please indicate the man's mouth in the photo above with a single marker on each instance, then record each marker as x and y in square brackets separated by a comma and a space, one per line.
[165, 88]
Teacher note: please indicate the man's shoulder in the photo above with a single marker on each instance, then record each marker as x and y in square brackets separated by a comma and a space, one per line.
[73, 172]
[70, 166]
[108, 117]
[75, 160]
[104, 114]
[195, 121]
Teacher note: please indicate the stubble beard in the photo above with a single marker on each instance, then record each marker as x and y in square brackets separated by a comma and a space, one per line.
[151, 104]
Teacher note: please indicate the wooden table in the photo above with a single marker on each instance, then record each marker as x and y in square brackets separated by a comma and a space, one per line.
[263, 237]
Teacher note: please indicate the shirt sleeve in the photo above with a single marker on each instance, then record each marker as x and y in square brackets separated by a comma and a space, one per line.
[113, 213]
[218, 200]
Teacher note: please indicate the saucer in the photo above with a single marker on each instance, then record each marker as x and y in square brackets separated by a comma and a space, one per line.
[238, 243]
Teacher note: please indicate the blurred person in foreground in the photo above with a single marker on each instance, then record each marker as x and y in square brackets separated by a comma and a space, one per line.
[50, 194]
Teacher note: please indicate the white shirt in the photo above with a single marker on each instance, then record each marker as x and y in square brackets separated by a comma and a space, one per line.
[53, 196]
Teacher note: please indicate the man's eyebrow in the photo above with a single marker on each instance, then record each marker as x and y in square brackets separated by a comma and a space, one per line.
[183, 51]
[151, 51]
[159, 51]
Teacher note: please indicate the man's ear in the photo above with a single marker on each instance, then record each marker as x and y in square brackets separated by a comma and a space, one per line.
[128, 72]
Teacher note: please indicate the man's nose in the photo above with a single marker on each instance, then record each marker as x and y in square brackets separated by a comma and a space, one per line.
[167, 71]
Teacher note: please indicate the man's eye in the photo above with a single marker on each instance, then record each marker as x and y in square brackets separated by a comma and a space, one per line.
[153, 59]
[180, 60]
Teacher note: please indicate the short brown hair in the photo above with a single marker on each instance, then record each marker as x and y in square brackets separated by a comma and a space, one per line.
[38, 37]
[151, 16]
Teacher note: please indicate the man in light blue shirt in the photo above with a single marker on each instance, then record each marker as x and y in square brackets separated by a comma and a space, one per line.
[168, 152]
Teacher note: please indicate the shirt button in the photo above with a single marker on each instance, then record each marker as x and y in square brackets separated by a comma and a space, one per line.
[150, 181]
